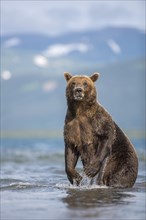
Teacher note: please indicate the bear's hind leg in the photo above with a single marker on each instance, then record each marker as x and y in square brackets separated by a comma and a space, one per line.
[118, 179]
[124, 178]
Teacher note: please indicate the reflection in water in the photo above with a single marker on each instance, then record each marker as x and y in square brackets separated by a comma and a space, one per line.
[92, 203]
[94, 198]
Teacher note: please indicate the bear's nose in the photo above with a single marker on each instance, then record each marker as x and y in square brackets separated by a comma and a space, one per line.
[78, 89]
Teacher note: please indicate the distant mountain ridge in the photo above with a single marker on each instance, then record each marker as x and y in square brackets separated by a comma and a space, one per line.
[105, 45]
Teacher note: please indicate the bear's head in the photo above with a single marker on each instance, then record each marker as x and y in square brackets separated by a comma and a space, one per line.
[80, 87]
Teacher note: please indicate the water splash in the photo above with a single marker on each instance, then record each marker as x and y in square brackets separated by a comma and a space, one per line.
[83, 187]
[86, 183]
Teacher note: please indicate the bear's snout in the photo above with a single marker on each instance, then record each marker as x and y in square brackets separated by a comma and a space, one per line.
[78, 93]
[78, 90]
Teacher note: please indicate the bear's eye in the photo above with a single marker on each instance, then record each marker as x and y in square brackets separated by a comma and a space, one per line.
[85, 84]
[73, 84]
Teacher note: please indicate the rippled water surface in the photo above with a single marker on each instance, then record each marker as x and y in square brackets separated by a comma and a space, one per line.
[34, 186]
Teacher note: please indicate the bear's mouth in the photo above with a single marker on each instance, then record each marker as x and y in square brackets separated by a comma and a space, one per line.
[78, 97]
[78, 94]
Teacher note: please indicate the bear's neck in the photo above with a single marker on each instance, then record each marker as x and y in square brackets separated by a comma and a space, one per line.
[78, 108]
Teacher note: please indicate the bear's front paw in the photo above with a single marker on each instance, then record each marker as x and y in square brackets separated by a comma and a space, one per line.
[91, 171]
[76, 182]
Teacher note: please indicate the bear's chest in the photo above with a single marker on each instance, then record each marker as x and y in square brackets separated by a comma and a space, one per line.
[79, 132]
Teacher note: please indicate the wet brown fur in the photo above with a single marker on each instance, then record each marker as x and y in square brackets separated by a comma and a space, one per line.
[90, 133]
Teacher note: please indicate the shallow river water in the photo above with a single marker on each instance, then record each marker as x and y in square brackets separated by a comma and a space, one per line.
[34, 186]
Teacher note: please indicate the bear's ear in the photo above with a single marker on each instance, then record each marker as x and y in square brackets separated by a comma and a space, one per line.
[67, 76]
[94, 77]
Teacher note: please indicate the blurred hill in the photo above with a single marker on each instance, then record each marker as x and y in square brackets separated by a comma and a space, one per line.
[106, 45]
[33, 86]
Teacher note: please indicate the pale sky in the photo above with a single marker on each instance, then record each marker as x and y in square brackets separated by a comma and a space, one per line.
[58, 17]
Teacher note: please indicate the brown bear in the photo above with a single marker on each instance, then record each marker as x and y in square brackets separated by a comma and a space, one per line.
[91, 134]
